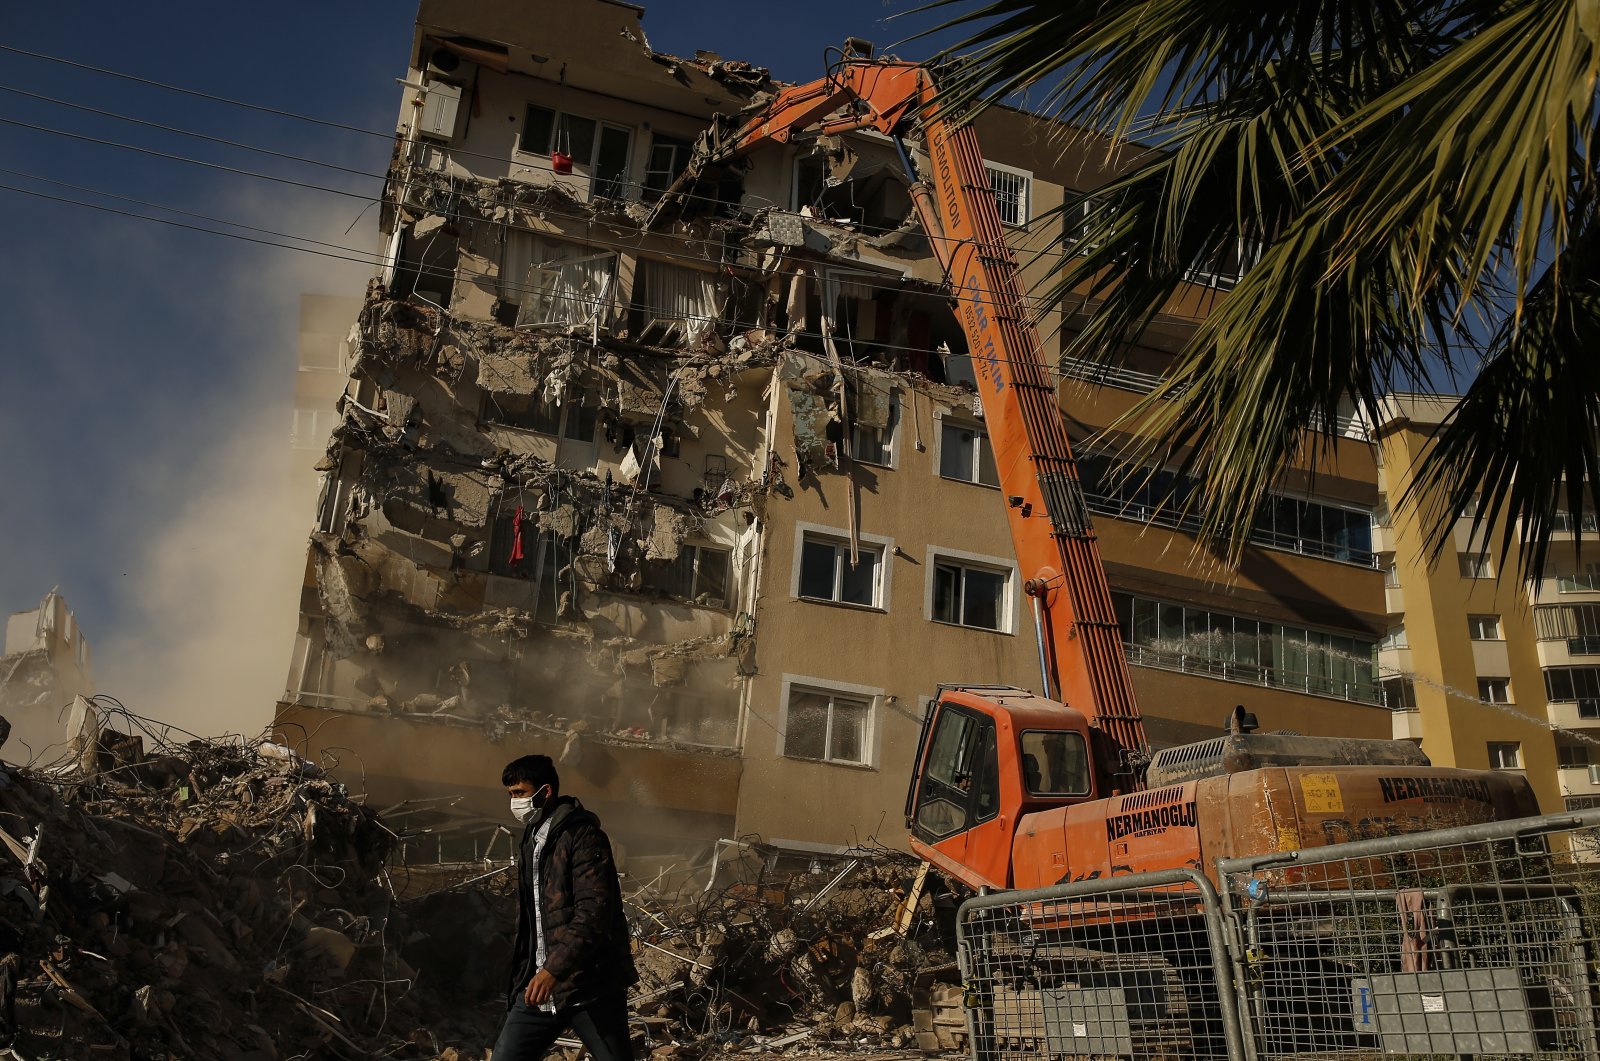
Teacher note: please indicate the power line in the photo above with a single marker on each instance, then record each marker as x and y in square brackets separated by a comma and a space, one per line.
[183, 158]
[376, 260]
[183, 132]
[453, 151]
[190, 92]
[505, 226]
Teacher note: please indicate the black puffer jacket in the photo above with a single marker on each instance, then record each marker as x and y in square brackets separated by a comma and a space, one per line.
[585, 931]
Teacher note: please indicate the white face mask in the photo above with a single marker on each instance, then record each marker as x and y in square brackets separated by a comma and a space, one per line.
[522, 808]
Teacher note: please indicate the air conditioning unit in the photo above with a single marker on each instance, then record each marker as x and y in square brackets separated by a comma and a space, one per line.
[441, 109]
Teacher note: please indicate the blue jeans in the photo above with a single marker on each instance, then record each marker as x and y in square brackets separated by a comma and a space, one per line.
[601, 1025]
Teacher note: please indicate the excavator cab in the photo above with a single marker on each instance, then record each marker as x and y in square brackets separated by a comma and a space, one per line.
[986, 756]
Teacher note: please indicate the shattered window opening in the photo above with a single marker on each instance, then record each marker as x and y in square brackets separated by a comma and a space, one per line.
[826, 572]
[556, 283]
[700, 574]
[875, 445]
[826, 727]
[965, 454]
[970, 596]
[669, 155]
[673, 304]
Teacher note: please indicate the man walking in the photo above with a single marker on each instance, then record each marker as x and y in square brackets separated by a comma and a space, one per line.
[572, 965]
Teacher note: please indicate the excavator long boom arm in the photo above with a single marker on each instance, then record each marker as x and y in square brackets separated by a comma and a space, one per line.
[1055, 542]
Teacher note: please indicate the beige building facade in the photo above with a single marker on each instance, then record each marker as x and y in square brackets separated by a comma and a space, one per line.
[591, 490]
[1489, 670]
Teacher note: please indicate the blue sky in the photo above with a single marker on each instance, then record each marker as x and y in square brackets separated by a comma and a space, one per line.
[146, 371]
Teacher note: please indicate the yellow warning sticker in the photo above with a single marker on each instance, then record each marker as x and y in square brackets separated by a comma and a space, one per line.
[1321, 793]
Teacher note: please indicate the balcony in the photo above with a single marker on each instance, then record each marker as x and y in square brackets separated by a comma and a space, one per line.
[1407, 724]
[1361, 692]
[1579, 780]
[1574, 714]
[1394, 599]
[1383, 538]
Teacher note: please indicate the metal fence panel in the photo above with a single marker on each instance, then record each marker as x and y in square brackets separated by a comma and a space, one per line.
[1132, 966]
[1480, 940]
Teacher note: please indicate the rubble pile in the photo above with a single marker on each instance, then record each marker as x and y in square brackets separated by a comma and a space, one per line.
[852, 956]
[204, 900]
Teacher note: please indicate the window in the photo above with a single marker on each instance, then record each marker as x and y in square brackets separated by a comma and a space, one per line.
[970, 596]
[1476, 565]
[960, 786]
[531, 413]
[672, 304]
[1572, 684]
[875, 445]
[1054, 763]
[1011, 192]
[1391, 576]
[1494, 690]
[1572, 754]
[555, 283]
[519, 549]
[1587, 582]
[1484, 627]
[668, 157]
[826, 572]
[1399, 694]
[1181, 637]
[964, 454]
[1505, 755]
[597, 150]
[312, 428]
[700, 574]
[826, 726]
[1159, 496]
[1395, 638]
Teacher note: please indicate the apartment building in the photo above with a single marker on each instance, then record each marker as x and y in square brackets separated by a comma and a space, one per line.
[44, 663]
[599, 490]
[1488, 670]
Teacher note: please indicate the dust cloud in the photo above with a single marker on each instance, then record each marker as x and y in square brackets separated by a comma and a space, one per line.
[215, 562]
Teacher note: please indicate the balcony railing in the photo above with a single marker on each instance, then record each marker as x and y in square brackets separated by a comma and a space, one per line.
[1102, 505]
[1144, 382]
[1253, 674]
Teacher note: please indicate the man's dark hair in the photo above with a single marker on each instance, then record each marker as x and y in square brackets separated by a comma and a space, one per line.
[536, 770]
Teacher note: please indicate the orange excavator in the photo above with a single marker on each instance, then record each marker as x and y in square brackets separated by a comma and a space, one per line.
[1013, 789]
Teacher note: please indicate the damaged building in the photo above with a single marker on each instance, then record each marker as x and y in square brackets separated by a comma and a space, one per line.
[705, 509]
[46, 663]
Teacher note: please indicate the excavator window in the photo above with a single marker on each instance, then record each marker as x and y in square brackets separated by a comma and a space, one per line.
[1054, 763]
[961, 784]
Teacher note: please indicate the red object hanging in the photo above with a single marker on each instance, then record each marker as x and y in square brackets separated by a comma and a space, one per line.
[561, 163]
[517, 555]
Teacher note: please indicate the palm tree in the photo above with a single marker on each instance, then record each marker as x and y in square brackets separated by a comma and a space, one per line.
[1419, 179]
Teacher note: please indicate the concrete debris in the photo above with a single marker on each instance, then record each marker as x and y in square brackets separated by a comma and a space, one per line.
[669, 527]
[813, 403]
[219, 900]
[871, 396]
[794, 952]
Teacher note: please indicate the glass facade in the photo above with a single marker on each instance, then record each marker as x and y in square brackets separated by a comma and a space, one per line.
[1197, 640]
[1310, 527]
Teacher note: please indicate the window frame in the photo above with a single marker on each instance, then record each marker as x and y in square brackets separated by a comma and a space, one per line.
[1492, 686]
[1024, 192]
[1476, 565]
[840, 539]
[696, 557]
[1010, 586]
[1496, 751]
[1476, 627]
[589, 166]
[870, 696]
[981, 442]
[677, 143]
